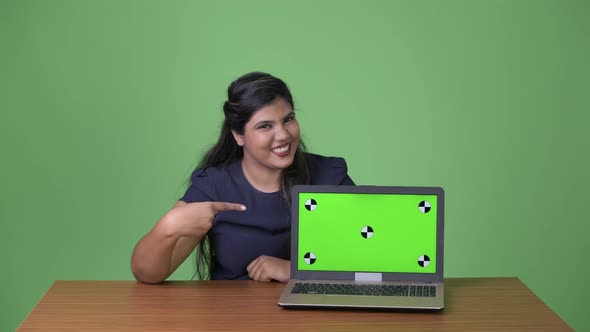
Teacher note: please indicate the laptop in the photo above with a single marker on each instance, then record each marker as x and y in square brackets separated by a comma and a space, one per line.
[374, 247]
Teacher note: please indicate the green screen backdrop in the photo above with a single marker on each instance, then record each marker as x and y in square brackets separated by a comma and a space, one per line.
[107, 106]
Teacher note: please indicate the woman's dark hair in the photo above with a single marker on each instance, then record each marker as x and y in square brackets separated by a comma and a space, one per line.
[245, 96]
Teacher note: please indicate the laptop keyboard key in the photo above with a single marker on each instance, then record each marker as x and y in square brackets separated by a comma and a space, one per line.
[432, 291]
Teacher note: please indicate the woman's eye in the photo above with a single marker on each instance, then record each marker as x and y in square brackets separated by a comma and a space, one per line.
[289, 119]
[264, 126]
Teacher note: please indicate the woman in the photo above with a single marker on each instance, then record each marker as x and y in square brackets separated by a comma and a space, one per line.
[236, 210]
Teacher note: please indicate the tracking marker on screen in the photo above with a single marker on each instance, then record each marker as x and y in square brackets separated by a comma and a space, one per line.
[424, 260]
[367, 232]
[311, 204]
[424, 206]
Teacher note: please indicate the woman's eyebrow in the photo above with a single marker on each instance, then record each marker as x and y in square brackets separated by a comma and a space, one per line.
[289, 115]
[263, 122]
[271, 122]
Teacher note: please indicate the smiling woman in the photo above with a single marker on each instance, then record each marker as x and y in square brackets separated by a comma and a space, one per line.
[236, 209]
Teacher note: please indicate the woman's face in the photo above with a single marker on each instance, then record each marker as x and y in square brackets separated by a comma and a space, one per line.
[271, 136]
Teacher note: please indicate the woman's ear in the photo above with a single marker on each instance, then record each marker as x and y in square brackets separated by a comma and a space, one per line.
[239, 138]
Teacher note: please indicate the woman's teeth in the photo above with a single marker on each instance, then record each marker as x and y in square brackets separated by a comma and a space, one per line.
[281, 149]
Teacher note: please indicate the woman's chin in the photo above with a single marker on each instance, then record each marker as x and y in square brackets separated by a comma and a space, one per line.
[282, 162]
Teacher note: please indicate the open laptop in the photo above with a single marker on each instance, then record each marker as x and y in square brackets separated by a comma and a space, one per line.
[366, 247]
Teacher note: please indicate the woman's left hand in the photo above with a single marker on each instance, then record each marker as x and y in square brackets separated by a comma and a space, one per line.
[266, 268]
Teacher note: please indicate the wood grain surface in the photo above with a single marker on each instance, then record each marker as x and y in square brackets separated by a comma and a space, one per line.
[471, 304]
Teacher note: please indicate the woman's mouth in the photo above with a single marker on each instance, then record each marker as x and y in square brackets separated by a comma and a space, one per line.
[282, 151]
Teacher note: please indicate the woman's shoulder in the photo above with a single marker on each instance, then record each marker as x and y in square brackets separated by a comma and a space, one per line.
[327, 170]
[319, 161]
[214, 172]
[210, 183]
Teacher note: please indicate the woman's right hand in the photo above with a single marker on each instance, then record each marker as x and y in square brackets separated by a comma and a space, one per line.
[196, 219]
[159, 253]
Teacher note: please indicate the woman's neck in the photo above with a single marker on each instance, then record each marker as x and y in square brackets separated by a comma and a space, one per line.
[262, 178]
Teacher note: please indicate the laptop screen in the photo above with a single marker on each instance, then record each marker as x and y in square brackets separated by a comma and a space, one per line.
[367, 232]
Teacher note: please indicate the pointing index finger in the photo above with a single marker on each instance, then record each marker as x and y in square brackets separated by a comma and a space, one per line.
[225, 206]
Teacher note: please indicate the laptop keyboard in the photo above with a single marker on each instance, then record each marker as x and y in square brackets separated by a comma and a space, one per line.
[372, 290]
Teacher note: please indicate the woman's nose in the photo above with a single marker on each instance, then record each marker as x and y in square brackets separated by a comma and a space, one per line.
[281, 133]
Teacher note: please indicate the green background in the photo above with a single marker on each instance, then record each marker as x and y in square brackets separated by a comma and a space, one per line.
[401, 233]
[106, 106]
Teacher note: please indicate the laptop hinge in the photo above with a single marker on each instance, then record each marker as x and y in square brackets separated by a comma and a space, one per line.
[359, 276]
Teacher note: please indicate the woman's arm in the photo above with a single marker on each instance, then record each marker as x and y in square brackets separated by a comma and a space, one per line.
[162, 250]
[159, 253]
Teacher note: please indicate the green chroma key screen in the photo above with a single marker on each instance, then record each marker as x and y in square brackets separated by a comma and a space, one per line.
[367, 232]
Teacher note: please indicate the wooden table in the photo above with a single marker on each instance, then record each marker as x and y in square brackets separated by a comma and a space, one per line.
[471, 304]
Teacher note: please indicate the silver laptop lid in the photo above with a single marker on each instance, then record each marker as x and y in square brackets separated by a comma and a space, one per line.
[367, 232]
